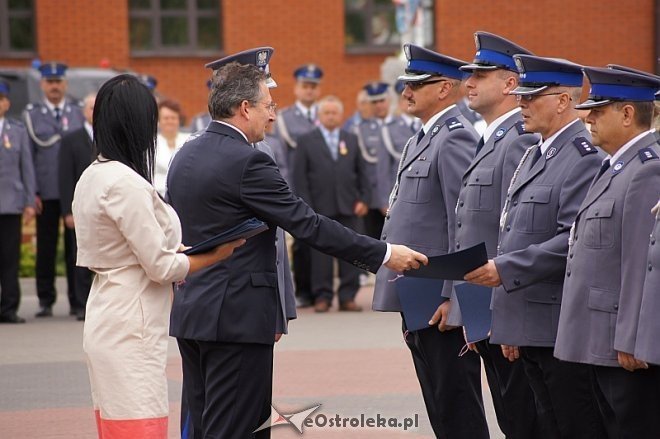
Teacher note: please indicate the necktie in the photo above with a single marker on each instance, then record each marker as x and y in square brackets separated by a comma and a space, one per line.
[603, 168]
[334, 144]
[480, 145]
[309, 115]
[537, 156]
[420, 136]
[58, 114]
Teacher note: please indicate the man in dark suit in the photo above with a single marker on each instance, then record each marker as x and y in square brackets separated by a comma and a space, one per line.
[224, 317]
[76, 154]
[527, 273]
[17, 198]
[330, 175]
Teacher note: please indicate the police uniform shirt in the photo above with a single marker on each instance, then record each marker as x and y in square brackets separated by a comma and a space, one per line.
[17, 181]
[370, 142]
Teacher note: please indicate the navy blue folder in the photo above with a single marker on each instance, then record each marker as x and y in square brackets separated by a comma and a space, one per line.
[453, 266]
[420, 298]
[246, 229]
[474, 301]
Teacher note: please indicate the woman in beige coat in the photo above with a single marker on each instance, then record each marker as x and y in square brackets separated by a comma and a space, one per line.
[131, 239]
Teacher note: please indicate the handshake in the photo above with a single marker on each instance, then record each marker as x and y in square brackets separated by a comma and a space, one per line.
[402, 258]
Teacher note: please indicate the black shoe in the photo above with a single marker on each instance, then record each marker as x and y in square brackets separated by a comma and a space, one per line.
[80, 315]
[45, 311]
[11, 318]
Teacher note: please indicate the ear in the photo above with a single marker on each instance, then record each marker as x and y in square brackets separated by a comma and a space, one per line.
[510, 83]
[565, 102]
[244, 109]
[445, 89]
[628, 115]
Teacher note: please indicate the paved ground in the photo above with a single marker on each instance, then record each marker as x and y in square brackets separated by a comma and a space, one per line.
[351, 364]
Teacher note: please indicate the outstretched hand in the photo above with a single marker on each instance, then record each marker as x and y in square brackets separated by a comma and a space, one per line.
[402, 258]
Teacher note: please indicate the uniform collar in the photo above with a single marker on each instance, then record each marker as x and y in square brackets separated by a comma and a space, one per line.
[304, 109]
[617, 155]
[52, 107]
[546, 143]
[429, 125]
[490, 129]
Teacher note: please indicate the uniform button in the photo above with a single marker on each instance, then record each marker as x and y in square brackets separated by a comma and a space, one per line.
[595, 213]
[515, 202]
[465, 183]
[460, 203]
[476, 179]
[516, 282]
[652, 241]
[568, 273]
[650, 267]
[508, 227]
[277, 262]
[458, 246]
[553, 297]
[616, 306]
[459, 224]
[384, 236]
[532, 197]
[570, 255]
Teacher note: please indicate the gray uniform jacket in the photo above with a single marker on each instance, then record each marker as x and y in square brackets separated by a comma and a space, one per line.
[200, 121]
[607, 260]
[287, 296]
[483, 191]
[422, 215]
[45, 134]
[17, 183]
[395, 133]
[290, 124]
[534, 241]
[647, 347]
[370, 141]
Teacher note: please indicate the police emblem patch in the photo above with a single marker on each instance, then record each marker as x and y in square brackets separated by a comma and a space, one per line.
[500, 132]
[261, 58]
[551, 153]
[618, 166]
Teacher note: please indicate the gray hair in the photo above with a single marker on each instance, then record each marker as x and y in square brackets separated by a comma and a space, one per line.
[331, 100]
[233, 84]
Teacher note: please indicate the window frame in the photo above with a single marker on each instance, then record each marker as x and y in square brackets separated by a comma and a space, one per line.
[6, 51]
[155, 13]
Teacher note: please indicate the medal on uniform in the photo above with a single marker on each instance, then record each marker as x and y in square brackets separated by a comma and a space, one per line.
[6, 141]
[65, 123]
[342, 148]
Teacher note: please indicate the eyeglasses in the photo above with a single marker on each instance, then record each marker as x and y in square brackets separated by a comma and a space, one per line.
[532, 97]
[272, 107]
[414, 86]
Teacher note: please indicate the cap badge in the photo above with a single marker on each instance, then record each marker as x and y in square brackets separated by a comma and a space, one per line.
[261, 58]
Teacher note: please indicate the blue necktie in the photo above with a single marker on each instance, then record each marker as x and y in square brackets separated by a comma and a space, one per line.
[420, 136]
[58, 114]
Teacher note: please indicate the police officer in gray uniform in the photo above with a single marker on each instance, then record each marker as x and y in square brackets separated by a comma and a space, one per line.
[291, 123]
[493, 76]
[369, 133]
[542, 200]
[607, 258]
[421, 216]
[17, 198]
[647, 347]
[46, 122]
[395, 132]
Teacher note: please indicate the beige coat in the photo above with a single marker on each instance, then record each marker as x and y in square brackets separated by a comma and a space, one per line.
[129, 237]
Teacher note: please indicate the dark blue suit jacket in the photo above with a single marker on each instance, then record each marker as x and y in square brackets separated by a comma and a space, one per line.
[216, 181]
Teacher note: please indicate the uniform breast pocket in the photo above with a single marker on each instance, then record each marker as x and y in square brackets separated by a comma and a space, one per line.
[416, 185]
[599, 225]
[603, 306]
[534, 215]
[480, 193]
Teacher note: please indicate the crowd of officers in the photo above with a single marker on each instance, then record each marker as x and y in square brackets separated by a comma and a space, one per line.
[502, 150]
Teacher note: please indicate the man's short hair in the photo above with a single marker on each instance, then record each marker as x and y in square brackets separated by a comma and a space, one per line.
[233, 84]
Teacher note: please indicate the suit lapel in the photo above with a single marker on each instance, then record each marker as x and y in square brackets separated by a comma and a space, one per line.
[324, 145]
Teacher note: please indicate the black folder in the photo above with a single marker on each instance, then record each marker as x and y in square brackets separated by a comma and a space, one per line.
[452, 266]
[246, 229]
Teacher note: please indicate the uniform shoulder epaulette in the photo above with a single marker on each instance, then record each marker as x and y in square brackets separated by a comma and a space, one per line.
[16, 122]
[453, 124]
[30, 107]
[648, 153]
[584, 146]
[520, 127]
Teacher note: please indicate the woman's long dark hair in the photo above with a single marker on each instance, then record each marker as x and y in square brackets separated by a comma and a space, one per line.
[125, 123]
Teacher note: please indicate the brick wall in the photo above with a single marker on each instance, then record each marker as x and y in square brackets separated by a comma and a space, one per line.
[82, 32]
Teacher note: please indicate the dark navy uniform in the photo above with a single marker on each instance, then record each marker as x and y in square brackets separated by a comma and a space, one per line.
[17, 191]
[46, 126]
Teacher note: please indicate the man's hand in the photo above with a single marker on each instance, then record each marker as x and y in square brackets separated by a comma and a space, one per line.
[511, 353]
[442, 314]
[630, 363]
[360, 209]
[403, 258]
[38, 204]
[485, 275]
[28, 214]
[277, 337]
[68, 221]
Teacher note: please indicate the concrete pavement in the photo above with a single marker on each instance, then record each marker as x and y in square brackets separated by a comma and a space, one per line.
[354, 364]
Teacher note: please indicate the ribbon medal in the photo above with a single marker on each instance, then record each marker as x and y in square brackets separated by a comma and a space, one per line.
[342, 148]
[6, 141]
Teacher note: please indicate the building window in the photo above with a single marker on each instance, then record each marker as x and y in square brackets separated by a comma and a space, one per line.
[384, 25]
[175, 27]
[17, 28]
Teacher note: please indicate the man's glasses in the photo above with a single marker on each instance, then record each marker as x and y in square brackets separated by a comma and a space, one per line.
[272, 107]
[414, 86]
[534, 96]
